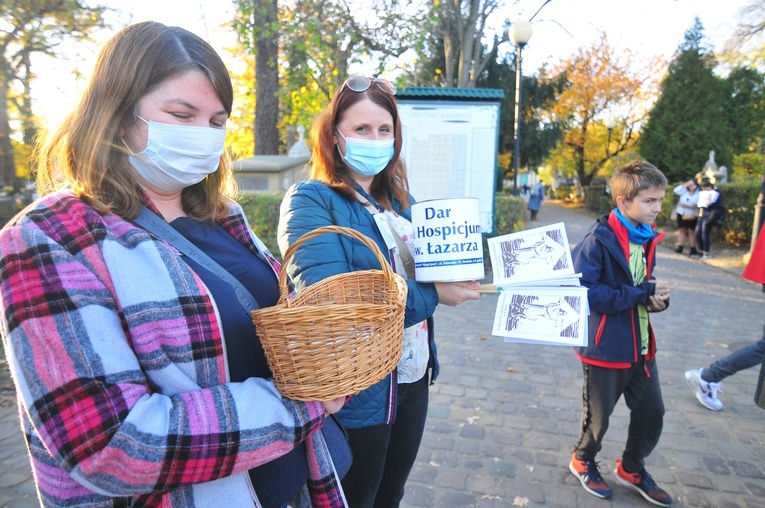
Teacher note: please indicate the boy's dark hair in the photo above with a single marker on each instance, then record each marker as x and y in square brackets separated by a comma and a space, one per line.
[634, 177]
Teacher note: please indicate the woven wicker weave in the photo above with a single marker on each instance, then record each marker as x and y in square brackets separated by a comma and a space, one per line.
[337, 336]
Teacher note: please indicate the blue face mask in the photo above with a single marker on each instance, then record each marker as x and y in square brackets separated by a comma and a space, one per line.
[367, 157]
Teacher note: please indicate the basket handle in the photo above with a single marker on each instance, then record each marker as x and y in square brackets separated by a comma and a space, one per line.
[386, 268]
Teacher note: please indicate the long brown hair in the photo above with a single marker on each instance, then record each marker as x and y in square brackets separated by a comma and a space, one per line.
[327, 164]
[86, 153]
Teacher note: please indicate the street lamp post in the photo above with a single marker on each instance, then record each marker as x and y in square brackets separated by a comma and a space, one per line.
[520, 33]
[610, 124]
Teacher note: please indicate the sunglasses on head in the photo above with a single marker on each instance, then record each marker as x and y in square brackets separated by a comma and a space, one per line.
[362, 83]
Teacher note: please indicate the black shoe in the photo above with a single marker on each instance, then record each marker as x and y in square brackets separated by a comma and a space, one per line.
[679, 249]
[694, 253]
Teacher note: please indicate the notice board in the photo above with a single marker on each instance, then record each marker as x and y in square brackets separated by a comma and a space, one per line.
[450, 149]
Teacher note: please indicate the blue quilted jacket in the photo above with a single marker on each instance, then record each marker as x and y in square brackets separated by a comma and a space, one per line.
[309, 205]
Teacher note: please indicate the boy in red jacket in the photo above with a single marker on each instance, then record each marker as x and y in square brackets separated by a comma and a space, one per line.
[616, 259]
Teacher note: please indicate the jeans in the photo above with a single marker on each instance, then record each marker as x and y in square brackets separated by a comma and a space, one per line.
[602, 389]
[744, 358]
[704, 228]
[383, 455]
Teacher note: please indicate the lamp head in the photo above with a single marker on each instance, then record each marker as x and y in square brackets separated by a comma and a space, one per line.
[610, 123]
[520, 32]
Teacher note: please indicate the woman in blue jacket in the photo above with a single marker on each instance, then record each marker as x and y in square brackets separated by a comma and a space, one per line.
[358, 180]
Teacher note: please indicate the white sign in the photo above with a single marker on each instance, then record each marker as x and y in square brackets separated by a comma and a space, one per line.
[447, 243]
[450, 149]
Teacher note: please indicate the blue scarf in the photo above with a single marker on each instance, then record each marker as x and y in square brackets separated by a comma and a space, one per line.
[639, 234]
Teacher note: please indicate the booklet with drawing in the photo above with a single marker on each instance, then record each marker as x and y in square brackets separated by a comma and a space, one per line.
[540, 298]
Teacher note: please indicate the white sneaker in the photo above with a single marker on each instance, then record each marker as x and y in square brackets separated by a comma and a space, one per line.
[706, 392]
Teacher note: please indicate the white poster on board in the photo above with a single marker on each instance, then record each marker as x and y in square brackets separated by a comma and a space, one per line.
[450, 149]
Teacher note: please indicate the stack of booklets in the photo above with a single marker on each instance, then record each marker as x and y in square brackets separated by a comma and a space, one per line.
[540, 298]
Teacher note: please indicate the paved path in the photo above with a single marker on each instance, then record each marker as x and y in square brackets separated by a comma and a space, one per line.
[503, 417]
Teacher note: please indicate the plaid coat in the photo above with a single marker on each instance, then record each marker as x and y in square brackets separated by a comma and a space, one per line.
[116, 349]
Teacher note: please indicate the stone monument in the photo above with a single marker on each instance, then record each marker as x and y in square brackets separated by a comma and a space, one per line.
[300, 147]
[716, 175]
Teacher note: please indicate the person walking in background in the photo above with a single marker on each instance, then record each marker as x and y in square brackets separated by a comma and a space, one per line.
[711, 208]
[706, 382]
[536, 196]
[139, 377]
[687, 212]
[525, 193]
[358, 180]
[616, 259]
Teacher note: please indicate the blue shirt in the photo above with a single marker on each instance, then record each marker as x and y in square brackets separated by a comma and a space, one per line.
[278, 480]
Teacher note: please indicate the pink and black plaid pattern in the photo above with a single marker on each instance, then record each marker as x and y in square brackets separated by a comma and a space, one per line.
[118, 358]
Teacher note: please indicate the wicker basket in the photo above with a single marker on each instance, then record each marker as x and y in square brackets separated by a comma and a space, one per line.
[337, 336]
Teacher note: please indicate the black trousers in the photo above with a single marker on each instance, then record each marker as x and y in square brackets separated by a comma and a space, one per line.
[602, 389]
[704, 228]
[383, 455]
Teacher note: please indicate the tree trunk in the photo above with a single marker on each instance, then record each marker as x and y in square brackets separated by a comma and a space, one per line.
[467, 45]
[267, 80]
[450, 24]
[28, 127]
[7, 166]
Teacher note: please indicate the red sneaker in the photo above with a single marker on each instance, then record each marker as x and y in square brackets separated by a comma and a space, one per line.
[588, 475]
[644, 484]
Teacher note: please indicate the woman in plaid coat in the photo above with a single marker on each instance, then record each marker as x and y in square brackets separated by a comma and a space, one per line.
[140, 380]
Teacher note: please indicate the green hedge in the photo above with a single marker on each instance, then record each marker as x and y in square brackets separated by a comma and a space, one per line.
[740, 200]
[262, 212]
[509, 214]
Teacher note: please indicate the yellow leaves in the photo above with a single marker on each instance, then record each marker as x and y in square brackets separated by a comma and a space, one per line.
[601, 82]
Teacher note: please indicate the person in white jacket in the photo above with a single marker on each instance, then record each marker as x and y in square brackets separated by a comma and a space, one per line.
[687, 212]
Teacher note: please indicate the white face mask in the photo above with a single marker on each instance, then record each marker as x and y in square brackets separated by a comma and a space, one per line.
[178, 156]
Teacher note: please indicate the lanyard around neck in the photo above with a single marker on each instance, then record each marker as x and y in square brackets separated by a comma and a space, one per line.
[154, 224]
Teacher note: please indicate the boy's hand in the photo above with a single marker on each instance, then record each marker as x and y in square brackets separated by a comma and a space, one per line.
[656, 304]
[658, 301]
[661, 291]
